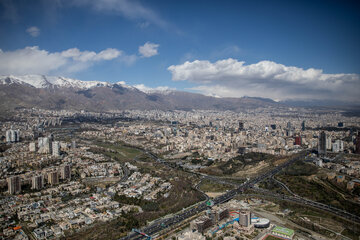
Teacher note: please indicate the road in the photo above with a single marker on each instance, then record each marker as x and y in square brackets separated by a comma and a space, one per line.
[160, 225]
[304, 201]
[284, 186]
[197, 187]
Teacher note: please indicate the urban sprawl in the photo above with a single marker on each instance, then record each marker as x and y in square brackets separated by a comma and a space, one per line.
[160, 174]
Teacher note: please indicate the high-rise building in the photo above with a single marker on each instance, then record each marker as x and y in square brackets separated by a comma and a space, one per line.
[56, 149]
[44, 145]
[73, 144]
[288, 125]
[328, 143]
[14, 184]
[65, 172]
[303, 126]
[37, 182]
[32, 147]
[8, 136]
[336, 147]
[201, 224]
[221, 214]
[12, 135]
[40, 142]
[357, 144]
[17, 136]
[273, 126]
[241, 126]
[53, 178]
[244, 218]
[298, 140]
[340, 144]
[322, 143]
[289, 132]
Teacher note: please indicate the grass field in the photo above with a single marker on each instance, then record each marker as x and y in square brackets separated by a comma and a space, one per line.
[127, 152]
[116, 151]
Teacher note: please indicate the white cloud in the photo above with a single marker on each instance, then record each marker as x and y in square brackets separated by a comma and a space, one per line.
[232, 78]
[128, 59]
[86, 56]
[108, 54]
[32, 60]
[130, 9]
[149, 49]
[146, 89]
[33, 31]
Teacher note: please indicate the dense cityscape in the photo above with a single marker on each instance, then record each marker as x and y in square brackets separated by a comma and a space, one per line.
[65, 173]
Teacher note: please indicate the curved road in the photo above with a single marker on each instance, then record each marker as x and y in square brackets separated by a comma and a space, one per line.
[157, 226]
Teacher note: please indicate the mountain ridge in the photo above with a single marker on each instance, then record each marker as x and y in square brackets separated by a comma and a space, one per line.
[71, 94]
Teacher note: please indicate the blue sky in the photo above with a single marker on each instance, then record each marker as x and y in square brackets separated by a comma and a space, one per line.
[295, 49]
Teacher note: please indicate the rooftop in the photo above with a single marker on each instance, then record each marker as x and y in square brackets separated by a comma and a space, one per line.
[284, 231]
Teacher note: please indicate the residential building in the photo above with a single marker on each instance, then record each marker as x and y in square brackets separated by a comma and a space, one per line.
[14, 184]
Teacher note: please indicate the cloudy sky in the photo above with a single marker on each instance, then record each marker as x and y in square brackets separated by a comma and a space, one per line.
[275, 49]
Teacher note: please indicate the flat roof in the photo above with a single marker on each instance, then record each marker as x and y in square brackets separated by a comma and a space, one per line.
[284, 231]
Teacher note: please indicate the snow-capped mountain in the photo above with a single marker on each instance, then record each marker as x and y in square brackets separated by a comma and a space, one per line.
[41, 81]
[65, 93]
[160, 90]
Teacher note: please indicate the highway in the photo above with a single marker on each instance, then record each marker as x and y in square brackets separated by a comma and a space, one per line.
[304, 201]
[283, 185]
[160, 225]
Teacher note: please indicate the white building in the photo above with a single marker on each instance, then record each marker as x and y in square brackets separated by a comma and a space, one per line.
[56, 149]
[32, 147]
[12, 135]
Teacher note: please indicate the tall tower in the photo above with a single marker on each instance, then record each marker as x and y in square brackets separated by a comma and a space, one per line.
[44, 145]
[37, 182]
[241, 126]
[357, 144]
[73, 144]
[322, 143]
[53, 178]
[32, 147]
[12, 135]
[245, 218]
[8, 136]
[56, 149]
[14, 184]
[66, 172]
[303, 126]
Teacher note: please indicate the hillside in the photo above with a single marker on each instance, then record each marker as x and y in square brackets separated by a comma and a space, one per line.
[71, 94]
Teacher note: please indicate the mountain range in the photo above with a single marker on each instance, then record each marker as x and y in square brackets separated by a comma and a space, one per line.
[58, 93]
